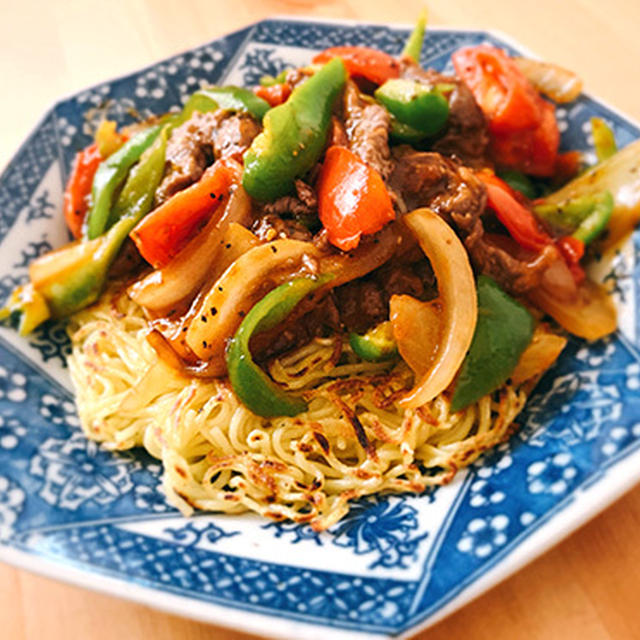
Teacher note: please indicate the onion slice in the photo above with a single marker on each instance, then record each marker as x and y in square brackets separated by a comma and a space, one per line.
[265, 267]
[591, 314]
[555, 82]
[181, 278]
[619, 174]
[542, 352]
[457, 307]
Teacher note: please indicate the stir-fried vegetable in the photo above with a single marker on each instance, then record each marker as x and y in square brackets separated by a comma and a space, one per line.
[108, 138]
[268, 81]
[413, 46]
[181, 277]
[229, 98]
[72, 277]
[362, 62]
[233, 294]
[78, 190]
[553, 81]
[377, 345]
[352, 198]
[424, 109]
[274, 94]
[294, 135]
[503, 331]
[620, 175]
[589, 313]
[542, 352]
[604, 141]
[454, 313]
[584, 218]
[524, 132]
[518, 219]
[110, 175]
[165, 232]
[518, 181]
[252, 385]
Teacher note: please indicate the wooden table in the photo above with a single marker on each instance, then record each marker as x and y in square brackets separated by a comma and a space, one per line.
[585, 588]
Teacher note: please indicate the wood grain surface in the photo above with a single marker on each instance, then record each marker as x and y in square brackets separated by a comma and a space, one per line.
[588, 586]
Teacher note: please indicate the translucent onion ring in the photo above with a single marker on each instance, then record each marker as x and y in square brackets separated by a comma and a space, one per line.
[457, 304]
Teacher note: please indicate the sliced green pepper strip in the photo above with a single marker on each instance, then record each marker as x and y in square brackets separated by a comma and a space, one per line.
[269, 81]
[294, 135]
[377, 345]
[412, 103]
[604, 141]
[413, 47]
[584, 217]
[27, 306]
[251, 384]
[136, 197]
[74, 276]
[233, 98]
[519, 182]
[596, 222]
[404, 133]
[503, 331]
[110, 175]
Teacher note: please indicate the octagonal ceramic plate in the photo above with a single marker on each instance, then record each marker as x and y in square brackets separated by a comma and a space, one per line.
[73, 511]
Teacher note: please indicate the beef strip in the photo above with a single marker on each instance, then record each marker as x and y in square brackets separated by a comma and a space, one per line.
[364, 303]
[304, 204]
[272, 227]
[367, 128]
[235, 136]
[428, 179]
[355, 306]
[466, 136]
[194, 145]
[321, 320]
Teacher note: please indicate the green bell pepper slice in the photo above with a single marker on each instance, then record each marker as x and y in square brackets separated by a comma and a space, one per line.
[269, 81]
[73, 277]
[250, 383]
[413, 46]
[519, 182]
[414, 104]
[377, 345]
[584, 217]
[503, 331]
[604, 141]
[230, 98]
[109, 177]
[294, 135]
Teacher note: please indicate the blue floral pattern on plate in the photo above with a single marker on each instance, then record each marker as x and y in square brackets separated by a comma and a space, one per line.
[394, 560]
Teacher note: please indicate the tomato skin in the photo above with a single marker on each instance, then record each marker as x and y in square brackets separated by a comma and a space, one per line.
[521, 223]
[78, 189]
[352, 199]
[362, 62]
[523, 129]
[167, 229]
[275, 94]
[532, 151]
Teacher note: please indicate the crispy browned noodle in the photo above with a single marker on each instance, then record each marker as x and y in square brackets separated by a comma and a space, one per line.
[353, 441]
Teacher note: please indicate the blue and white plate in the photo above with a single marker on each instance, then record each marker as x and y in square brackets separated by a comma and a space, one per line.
[74, 511]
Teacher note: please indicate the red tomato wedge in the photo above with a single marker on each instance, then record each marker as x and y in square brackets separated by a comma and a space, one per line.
[78, 188]
[167, 229]
[519, 221]
[275, 94]
[523, 127]
[362, 62]
[352, 198]
[503, 92]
